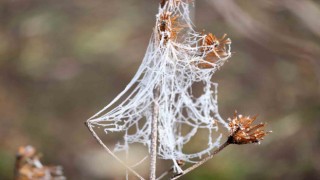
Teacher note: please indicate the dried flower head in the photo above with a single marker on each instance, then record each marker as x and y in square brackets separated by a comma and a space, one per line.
[168, 27]
[26, 152]
[242, 131]
[28, 166]
[216, 48]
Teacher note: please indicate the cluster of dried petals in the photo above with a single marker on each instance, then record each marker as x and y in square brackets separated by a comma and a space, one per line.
[215, 49]
[243, 132]
[29, 167]
[168, 26]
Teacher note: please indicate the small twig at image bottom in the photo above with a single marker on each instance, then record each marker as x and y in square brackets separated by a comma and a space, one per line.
[202, 161]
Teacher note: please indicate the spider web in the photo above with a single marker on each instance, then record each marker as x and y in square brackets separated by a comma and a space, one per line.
[170, 66]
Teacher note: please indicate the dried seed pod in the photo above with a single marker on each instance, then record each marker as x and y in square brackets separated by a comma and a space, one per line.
[28, 166]
[242, 131]
[214, 49]
[168, 26]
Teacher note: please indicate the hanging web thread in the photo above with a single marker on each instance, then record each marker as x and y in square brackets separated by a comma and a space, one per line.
[177, 57]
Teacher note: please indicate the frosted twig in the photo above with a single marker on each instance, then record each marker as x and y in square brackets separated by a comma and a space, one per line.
[154, 134]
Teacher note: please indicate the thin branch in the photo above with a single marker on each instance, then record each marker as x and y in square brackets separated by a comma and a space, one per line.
[164, 174]
[154, 134]
[167, 172]
[109, 151]
[202, 161]
[141, 161]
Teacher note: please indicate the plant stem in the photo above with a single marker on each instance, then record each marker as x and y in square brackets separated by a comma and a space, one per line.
[202, 161]
[154, 134]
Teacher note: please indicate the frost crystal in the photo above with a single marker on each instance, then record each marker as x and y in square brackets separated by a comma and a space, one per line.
[176, 59]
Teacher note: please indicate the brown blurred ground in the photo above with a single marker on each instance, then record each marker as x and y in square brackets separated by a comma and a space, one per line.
[61, 61]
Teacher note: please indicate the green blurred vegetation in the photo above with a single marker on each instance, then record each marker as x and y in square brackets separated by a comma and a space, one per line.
[61, 61]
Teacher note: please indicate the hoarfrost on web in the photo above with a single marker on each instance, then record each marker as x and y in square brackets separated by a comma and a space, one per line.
[172, 65]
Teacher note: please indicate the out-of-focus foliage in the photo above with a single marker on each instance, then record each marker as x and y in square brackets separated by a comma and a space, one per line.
[61, 61]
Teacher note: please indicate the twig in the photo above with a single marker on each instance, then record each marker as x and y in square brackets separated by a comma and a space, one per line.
[164, 174]
[167, 172]
[154, 134]
[141, 161]
[109, 151]
[202, 161]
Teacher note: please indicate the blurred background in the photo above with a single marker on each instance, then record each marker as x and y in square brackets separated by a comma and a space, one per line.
[62, 61]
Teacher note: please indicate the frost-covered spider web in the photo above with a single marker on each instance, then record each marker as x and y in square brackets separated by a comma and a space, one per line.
[169, 69]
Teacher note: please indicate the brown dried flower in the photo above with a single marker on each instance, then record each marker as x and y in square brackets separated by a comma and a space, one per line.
[216, 47]
[242, 131]
[28, 166]
[168, 27]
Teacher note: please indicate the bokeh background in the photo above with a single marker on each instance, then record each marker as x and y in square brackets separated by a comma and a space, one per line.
[61, 61]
